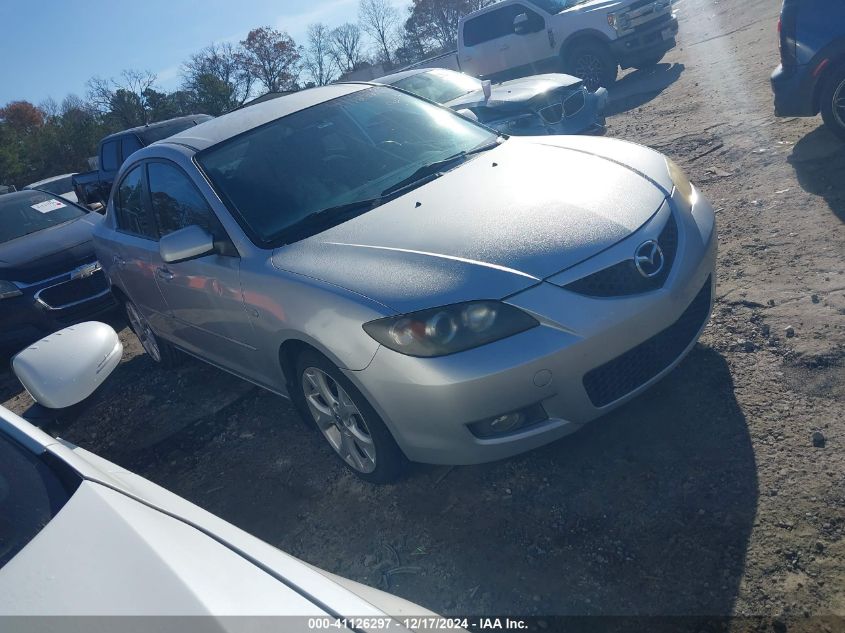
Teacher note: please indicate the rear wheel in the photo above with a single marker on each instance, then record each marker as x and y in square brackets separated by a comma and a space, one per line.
[593, 63]
[833, 103]
[162, 352]
[349, 424]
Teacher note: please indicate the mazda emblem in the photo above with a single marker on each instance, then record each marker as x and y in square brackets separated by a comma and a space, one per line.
[648, 258]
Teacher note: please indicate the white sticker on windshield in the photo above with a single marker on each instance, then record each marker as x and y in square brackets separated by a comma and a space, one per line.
[48, 205]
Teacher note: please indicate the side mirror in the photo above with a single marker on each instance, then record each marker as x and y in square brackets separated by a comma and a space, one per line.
[97, 206]
[487, 89]
[192, 241]
[520, 24]
[64, 368]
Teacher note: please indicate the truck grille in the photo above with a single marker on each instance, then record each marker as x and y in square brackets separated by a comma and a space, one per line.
[623, 278]
[622, 375]
[74, 291]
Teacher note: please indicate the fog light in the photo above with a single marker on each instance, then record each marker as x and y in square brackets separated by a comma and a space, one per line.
[508, 422]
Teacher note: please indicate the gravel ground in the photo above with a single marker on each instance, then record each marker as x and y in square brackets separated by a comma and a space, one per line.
[705, 496]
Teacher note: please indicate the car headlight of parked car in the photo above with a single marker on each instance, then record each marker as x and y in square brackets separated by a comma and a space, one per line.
[449, 329]
[682, 184]
[9, 290]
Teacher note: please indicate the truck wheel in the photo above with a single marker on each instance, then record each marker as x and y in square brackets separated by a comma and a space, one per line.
[349, 424]
[162, 352]
[593, 63]
[650, 62]
[833, 103]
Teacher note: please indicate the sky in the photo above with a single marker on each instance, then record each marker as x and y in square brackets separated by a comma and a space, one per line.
[50, 48]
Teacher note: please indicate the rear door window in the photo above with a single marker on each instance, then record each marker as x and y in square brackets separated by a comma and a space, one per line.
[129, 144]
[131, 213]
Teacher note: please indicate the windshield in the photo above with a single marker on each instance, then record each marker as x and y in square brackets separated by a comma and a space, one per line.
[439, 85]
[336, 153]
[59, 186]
[28, 212]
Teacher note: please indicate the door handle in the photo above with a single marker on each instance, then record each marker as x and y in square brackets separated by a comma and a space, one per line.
[117, 261]
[164, 274]
[504, 47]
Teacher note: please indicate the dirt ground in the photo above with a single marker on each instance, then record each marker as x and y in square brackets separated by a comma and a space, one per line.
[705, 496]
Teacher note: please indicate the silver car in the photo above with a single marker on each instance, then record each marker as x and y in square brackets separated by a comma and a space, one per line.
[420, 286]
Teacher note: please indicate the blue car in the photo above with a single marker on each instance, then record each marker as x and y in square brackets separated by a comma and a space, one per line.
[811, 76]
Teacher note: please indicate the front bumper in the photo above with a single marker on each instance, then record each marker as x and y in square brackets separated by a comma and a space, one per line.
[590, 119]
[31, 316]
[794, 88]
[428, 402]
[647, 42]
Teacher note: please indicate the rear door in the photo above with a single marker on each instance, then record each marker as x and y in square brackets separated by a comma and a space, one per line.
[136, 255]
[203, 295]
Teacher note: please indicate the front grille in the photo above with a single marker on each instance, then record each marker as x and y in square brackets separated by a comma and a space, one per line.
[624, 279]
[634, 368]
[552, 114]
[74, 291]
[574, 103]
[653, 23]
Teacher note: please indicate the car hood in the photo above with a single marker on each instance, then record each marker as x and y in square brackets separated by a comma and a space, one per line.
[599, 5]
[495, 225]
[49, 252]
[515, 92]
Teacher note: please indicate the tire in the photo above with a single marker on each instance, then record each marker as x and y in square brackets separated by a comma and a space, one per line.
[162, 352]
[346, 420]
[593, 63]
[833, 102]
[649, 62]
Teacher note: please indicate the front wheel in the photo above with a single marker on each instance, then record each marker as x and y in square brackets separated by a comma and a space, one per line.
[593, 63]
[349, 424]
[162, 352]
[833, 103]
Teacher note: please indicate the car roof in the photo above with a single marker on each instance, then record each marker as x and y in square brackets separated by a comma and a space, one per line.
[35, 185]
[242, 120]
[393, 78]
[142, 129]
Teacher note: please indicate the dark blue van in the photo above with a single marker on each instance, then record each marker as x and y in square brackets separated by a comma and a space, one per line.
[811, 75]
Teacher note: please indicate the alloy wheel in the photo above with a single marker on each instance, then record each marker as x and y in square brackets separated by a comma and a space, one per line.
[839, 104]
[339, 419]
[589, 68]
[143, 332]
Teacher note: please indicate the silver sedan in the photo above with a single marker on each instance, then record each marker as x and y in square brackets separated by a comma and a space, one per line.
[420, 286]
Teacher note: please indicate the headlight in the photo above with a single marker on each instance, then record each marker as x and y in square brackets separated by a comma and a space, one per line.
[449, 329]
[617, 21]
[682, 184]
[9, 290]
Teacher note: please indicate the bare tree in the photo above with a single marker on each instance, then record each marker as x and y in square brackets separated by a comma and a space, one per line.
[346, 46]
[272, 58]
[318, 60]
[217, 78]
[379, 19]
[124, 98]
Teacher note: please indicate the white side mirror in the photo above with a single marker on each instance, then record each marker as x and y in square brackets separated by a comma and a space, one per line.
[64, 368]
[487, 89]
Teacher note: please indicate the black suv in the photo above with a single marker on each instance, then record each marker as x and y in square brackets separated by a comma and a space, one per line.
[811, 75]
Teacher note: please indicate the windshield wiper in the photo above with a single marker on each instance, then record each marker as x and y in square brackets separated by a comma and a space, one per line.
[327, 216]
[429, 172]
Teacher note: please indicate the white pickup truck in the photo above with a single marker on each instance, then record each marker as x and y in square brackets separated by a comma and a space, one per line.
[586, 38]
